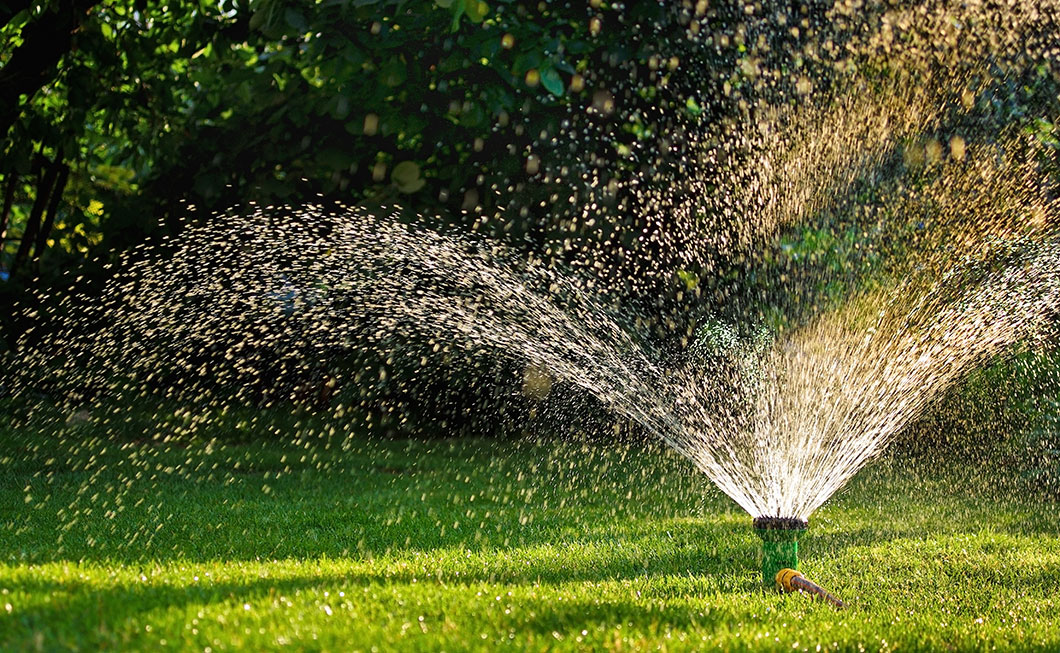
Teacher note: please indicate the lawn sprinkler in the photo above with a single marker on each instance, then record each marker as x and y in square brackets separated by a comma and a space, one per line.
[780, 557]
[780, 544]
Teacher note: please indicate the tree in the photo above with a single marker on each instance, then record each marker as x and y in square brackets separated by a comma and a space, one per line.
[450, 107]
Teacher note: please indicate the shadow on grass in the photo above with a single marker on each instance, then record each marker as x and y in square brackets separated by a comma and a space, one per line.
[235, 523]
[202, 514]
[84, 607]
[710, 551]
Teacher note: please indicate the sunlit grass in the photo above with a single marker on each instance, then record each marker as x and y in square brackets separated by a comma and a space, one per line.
[113, 541]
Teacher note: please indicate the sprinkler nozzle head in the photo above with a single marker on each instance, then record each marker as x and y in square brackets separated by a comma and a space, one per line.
[780, 523]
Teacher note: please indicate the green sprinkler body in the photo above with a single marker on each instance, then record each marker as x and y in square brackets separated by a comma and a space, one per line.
[780, 544]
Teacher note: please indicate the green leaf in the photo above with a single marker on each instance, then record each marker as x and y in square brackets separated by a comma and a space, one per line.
[406, 176]
[552, 82]
[393, 73]
[473, 117]
[457, 8]
[295, 19]
[690, 279]
[476, 10]
[341, 109]
[335, 159]
[564, 66]
[257, 19]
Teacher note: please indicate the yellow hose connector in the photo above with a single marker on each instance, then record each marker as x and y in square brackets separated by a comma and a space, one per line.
[790, 580]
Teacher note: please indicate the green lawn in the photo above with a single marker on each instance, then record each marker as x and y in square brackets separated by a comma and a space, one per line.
[109, 542]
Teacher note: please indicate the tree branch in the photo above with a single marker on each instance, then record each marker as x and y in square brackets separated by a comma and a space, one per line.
[35, 63]
[10, 9]
[53, 207]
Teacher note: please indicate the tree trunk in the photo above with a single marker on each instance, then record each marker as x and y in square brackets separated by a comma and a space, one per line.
[5, 214]
[49, 215]
[33, 223]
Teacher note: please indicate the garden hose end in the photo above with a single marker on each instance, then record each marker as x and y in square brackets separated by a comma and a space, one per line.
[790, 580]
